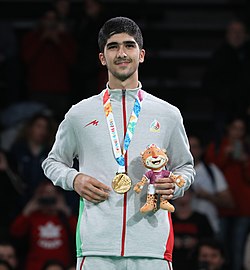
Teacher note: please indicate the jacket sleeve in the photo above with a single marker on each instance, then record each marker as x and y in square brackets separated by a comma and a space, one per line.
[58, 165]
[180, 158]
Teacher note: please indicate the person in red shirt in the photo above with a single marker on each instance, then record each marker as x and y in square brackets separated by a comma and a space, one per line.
[48, 54]
[232, 156]
[49, 226]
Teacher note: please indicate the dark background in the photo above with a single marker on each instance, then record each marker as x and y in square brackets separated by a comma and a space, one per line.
[179, 38]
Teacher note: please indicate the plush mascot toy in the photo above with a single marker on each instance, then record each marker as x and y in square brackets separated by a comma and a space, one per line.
[155, 159]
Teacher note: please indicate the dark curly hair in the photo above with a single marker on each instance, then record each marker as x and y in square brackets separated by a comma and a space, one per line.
[119, 25]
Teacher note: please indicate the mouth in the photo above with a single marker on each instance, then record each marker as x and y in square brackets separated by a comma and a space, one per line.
[156, 162]
[121, 63]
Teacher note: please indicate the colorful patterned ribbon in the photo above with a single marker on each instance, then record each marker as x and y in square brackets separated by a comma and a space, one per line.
[119, 154]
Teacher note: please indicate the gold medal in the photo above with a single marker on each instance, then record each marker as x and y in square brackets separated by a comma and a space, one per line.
[121, 183]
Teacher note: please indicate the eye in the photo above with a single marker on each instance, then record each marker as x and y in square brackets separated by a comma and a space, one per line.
[130, 45]
[112, 47]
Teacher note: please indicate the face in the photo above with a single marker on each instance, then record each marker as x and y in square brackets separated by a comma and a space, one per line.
[39, 130]
[49, 20]
[154, 158]
[8, 254]
[122, 57]
[237, 129]
[236, 34]
[92, 7]
[212, 256]
[48, 196]
[63, 7]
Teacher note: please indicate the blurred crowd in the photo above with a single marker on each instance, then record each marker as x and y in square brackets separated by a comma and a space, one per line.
[55, 66]
[55, 59]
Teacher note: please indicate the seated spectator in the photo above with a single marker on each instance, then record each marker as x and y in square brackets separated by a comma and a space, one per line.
[232, 155]
[211, 255]
[189, 227]
[29, 150]
[49, 227]
[48, 54]
[8, 253]
[210, 186]
[227, 74]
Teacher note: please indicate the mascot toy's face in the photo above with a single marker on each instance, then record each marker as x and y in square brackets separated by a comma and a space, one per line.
[154, 157]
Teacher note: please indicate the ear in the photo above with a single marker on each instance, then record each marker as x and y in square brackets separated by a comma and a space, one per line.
[141, 153]
[102, 59]
[164, 150]
[141, 56]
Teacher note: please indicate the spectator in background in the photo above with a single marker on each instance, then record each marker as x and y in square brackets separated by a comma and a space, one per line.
[9, 65]
[30, 149]
[210, 186]
[227, 75]
[232, 156]
[64, 16]
[89, 73]
[11, 190]
[49, 226]
[8, 253]
[229, 65]
[49, 54]
[211, 255]
[189, 227]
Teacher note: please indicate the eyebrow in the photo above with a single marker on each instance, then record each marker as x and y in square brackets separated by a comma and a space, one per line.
[129, 42]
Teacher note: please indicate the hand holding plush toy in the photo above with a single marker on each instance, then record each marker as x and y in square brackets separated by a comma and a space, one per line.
[155, 159]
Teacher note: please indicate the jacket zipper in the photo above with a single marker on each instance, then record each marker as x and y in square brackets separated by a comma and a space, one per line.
[124, 113]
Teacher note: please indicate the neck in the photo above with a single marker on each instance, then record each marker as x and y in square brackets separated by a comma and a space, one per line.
[131, 83]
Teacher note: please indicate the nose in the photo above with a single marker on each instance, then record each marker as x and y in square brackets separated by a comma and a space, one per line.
[154, 154]
[121, 52]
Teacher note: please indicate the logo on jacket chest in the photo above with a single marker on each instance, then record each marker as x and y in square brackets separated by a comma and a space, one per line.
[92, 123]
[155, 126]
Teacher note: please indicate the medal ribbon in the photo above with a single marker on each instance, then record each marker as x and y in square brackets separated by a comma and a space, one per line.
[119, 154]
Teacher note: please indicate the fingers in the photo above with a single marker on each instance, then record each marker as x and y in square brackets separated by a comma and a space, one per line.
[91, 189]
[165, 187]
[96, 193]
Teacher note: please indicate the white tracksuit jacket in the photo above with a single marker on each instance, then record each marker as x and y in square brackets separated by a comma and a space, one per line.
[115, 227]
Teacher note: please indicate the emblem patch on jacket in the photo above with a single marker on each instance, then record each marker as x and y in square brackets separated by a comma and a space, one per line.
[155, 126]
[94, 123]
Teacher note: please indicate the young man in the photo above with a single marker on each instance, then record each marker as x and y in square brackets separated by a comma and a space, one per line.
[106, 133]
